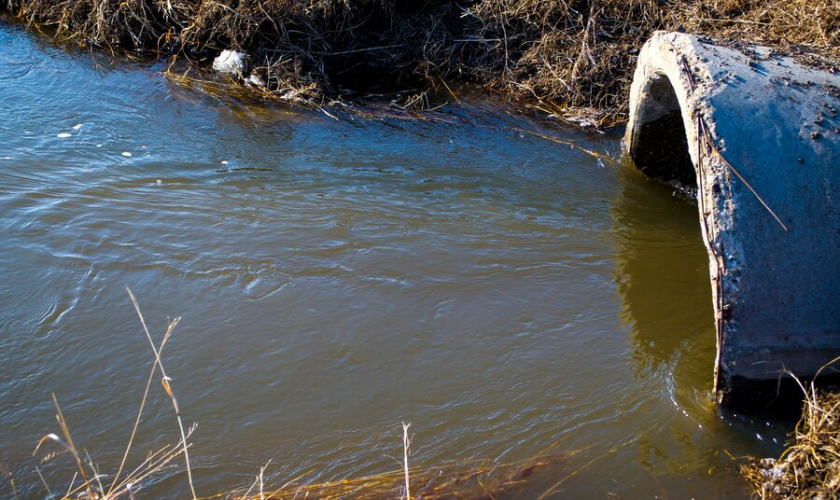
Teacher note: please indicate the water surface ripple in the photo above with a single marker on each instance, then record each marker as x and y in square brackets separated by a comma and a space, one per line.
[502, 292]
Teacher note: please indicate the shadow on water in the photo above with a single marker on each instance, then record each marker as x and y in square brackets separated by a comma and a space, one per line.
[663, 280]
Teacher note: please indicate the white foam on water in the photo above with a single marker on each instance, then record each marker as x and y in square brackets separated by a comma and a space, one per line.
[126, 154]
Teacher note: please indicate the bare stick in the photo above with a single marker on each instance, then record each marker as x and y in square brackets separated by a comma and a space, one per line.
[248, 491]
[705, 131]
[262, 471]
[136, 421]
[65, 429]
[96, 475]
[406, 446]
[11, 479]
[755, 193]
[561, 141]
[72, 482]
[165, 381]
[44, 481]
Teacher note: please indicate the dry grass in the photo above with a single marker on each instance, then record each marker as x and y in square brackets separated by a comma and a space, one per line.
[570, 52]
[89, 484]
[474, 480]
[810, 467]
[469, 480]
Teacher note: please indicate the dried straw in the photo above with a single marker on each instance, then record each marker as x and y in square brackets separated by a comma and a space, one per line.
[810, 467]
[574, 54]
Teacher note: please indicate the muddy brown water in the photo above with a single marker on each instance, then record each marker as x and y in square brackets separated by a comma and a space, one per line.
[501, 292]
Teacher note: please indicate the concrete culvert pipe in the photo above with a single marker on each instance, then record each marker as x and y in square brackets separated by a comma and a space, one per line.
[759, 136]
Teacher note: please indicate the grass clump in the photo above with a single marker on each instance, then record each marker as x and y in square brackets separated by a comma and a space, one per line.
[88, 482]
[810, 467]
[573, 53]
[478, 480]
[465, 480]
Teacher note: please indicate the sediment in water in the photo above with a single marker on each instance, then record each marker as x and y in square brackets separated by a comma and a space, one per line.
[575, 53]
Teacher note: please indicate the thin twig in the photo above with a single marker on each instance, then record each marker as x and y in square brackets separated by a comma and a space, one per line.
[65, 429]
[406, 446]
[165, 381]
[95, 474]
[561, 141]
[136, 421]
[44, 482]
[262, 471]
[9, 475]
[716, 151]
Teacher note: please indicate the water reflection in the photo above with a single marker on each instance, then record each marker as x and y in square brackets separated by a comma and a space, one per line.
[337, 278]
[662, 278]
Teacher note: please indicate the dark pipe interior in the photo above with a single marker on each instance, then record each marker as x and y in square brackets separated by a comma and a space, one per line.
[659, 147]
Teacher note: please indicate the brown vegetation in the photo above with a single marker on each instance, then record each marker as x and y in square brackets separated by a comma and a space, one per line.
[468, 480]
[569, 52]
[810, 467]
[481, 480]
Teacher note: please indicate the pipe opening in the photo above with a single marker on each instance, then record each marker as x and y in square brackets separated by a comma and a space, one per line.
[659, 147]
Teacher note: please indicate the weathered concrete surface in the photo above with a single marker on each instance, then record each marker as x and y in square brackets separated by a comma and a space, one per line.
[760, 136]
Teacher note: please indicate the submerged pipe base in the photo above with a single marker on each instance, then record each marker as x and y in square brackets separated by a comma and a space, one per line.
[759, 136]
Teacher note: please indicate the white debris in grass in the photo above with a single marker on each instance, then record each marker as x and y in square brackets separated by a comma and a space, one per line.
[230, 61]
